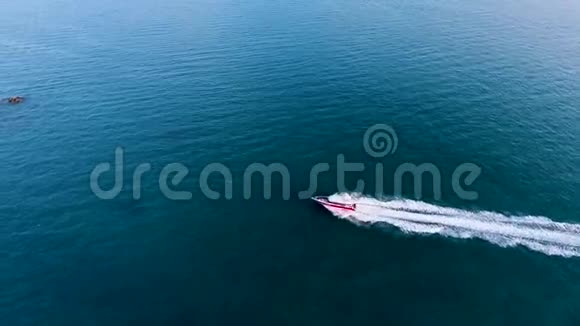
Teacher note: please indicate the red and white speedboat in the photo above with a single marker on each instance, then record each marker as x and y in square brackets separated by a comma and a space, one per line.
[324, 201]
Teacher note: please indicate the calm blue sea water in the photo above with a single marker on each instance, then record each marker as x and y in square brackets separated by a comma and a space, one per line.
[495, 83]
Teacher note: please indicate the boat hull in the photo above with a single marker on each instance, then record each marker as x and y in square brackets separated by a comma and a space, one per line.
[327, 203]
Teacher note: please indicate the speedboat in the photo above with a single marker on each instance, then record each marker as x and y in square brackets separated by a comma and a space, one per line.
[327, 203]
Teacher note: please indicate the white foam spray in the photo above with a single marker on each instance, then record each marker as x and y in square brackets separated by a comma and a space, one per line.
[534, 232]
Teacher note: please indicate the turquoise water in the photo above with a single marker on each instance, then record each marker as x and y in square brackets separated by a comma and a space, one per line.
[495, 83]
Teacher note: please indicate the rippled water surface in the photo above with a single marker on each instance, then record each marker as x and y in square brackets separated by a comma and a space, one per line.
[495, 83]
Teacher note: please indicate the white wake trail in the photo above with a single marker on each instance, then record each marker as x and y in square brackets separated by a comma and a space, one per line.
[534, 232]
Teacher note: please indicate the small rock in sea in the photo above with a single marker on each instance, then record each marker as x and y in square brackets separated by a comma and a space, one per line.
[15, 99]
